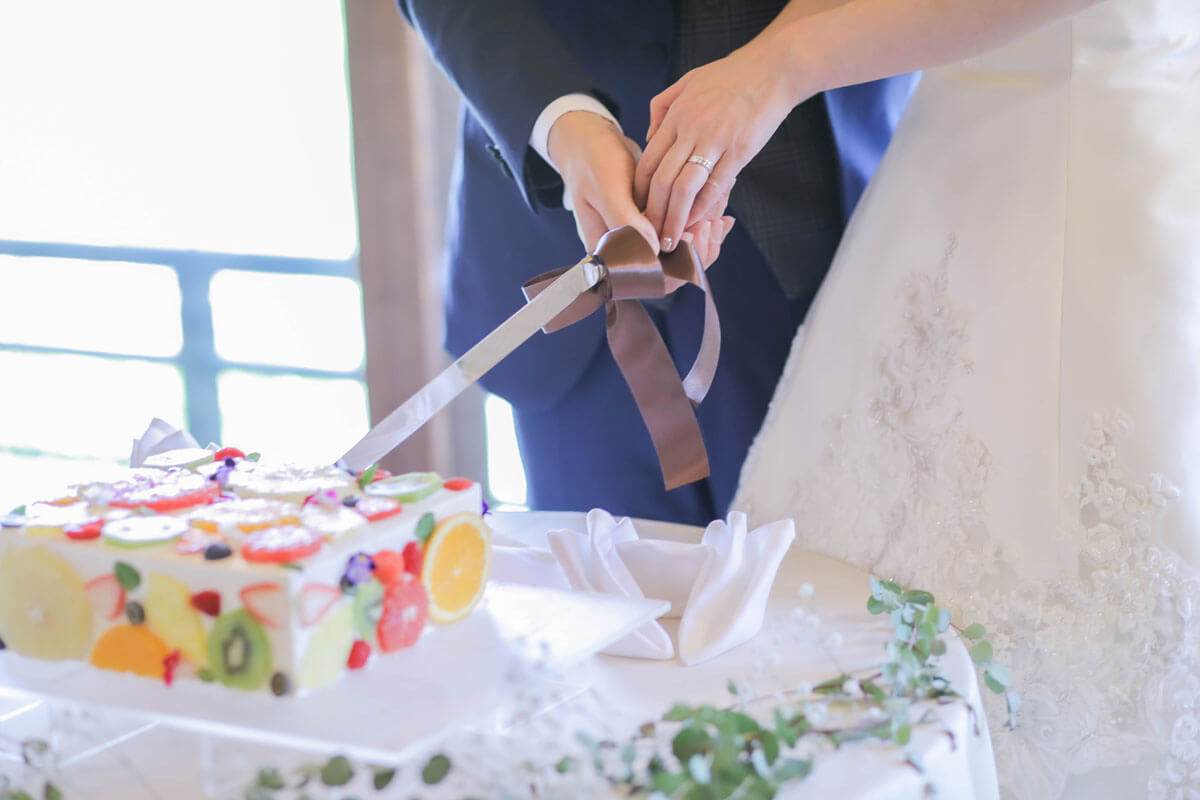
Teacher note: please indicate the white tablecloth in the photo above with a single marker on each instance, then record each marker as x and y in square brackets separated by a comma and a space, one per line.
[159, 761]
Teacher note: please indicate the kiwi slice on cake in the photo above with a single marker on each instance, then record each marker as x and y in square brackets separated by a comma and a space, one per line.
[239, 653]
[368, 608]
[407, 488]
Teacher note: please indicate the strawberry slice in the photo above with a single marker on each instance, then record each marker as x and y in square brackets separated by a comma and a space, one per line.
[360, 651]
[267, 603]
[405, 609]
[84, 530]
[170, 664]
[377, 508]
[284, 543]
[228, 452]
[458, 484]
[413, 559]
[207, 602]
[314, 602]
[107, 595]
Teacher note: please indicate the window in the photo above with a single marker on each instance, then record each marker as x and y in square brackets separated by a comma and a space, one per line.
[177, 234]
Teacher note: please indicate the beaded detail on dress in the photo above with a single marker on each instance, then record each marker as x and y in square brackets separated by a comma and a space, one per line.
[1106, 653]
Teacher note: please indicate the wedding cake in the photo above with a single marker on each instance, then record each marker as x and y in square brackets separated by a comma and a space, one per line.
[214, 566]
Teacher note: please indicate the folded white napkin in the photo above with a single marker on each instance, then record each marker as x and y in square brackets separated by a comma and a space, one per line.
[718, 587]
[728, 599]
[160, 436]
[593, 564]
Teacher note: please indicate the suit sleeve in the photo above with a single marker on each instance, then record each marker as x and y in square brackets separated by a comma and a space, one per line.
[509, 64]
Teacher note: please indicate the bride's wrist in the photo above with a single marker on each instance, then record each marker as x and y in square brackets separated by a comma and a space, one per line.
[792, 47]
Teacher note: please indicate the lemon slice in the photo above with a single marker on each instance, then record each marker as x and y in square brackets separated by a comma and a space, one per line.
[44, 609]
[407, 488]
[458, 558]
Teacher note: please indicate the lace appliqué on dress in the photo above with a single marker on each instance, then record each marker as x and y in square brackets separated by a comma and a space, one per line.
[1106, 655]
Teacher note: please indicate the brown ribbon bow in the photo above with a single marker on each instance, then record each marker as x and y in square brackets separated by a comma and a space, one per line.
[632, 273]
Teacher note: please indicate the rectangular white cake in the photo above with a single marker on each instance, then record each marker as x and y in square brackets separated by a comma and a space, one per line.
[259, 577]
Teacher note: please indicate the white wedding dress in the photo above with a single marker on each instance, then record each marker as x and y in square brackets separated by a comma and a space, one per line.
[996, 396]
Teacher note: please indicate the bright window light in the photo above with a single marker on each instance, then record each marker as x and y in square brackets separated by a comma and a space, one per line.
[102, 306]
[221, 126]
[28, 478]
[83, 405]
[505, 472]
[312, 321]
[310, 420]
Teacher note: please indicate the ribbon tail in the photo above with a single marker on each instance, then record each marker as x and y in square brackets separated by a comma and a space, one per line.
[682, 266]
[666, 408]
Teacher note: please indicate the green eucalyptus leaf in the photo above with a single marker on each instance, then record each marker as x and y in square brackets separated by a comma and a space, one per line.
[876, 606]
[564, 765]
[435, 770]
[382, 777]
[916, 596]
[997, 679]
[792, 768]
[269, 778]
[669, 782]
[938, 648]
[731, 687]
[903, 734]
[943, 620]
[691, 740]
[981, 652]
[975, 631]
[770, 746]
[784, 729]
[891, 586]
[679, 712]
[337, 771]
[51, 792]
[872, 689]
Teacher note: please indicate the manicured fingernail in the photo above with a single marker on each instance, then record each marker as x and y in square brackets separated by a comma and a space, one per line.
[667, 242]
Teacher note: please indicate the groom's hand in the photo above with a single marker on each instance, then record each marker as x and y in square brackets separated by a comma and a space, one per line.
[596, 162]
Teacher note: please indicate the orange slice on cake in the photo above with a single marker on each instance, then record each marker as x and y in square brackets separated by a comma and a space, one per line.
[458, 558]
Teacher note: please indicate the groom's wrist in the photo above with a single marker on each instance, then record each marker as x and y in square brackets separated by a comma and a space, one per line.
[539, 138]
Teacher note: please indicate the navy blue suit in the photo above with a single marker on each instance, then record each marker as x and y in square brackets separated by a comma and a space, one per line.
[581, 436]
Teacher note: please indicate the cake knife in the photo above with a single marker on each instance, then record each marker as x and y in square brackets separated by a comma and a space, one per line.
[473, 364]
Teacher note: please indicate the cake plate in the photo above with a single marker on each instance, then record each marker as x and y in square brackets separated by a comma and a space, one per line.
[402, 705]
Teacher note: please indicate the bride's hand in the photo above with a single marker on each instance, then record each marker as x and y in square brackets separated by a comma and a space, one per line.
[723, 112]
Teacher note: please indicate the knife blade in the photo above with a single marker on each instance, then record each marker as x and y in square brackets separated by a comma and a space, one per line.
[414, 412]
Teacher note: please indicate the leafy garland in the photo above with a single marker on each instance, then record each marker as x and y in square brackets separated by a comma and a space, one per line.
[709, 753]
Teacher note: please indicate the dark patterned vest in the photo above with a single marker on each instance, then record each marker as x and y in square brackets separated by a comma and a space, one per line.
[789, 196]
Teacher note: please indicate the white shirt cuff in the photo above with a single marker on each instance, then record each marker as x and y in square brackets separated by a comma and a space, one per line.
[539, 139]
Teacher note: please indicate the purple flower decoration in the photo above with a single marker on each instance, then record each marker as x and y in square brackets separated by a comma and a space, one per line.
[358, 569]
[221, 476]
[484, 510]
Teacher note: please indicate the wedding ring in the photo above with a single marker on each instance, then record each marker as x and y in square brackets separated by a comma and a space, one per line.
[702, 161]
